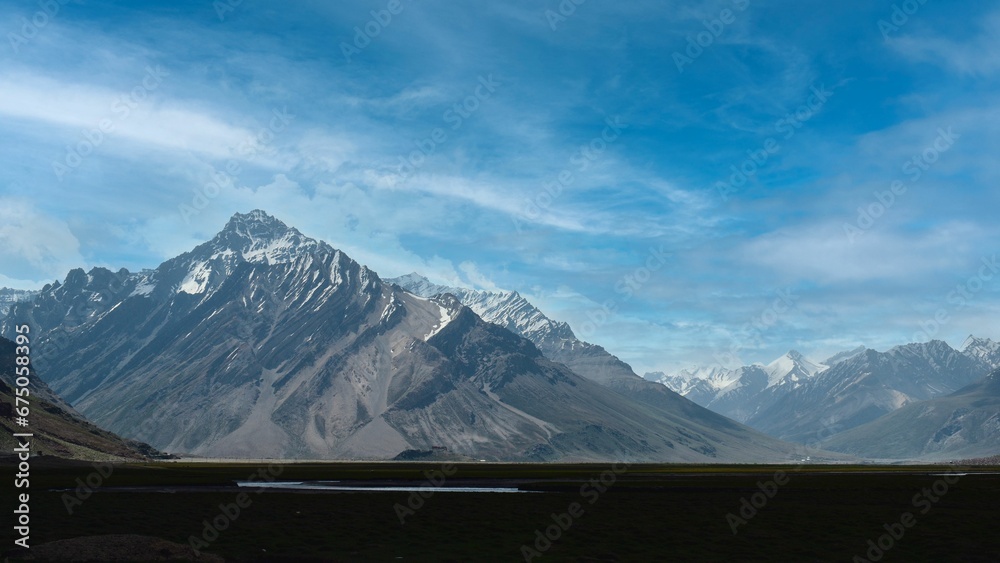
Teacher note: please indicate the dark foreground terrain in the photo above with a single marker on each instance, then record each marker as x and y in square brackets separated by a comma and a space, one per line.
[641, 513]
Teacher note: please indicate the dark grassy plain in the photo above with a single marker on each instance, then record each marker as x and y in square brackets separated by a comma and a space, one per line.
[650, 512]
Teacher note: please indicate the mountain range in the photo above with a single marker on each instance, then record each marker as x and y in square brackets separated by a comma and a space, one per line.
[799, 400]
[963, 424]
[743, 392]
[262, 342]
[863, 383]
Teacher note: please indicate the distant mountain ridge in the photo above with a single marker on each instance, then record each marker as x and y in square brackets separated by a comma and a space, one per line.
[867, 386]
[796, 399]
[701, 385]
[742, 392]
[983, 349]
[963, 424]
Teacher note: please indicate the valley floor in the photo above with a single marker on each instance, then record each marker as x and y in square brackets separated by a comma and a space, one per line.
[640, 513]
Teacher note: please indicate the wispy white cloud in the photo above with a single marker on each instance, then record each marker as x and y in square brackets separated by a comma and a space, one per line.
[977, 54]
[129, 114]
[824, 254]
[35, 246]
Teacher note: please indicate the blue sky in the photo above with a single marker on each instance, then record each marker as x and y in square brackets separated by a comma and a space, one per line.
[680, 181]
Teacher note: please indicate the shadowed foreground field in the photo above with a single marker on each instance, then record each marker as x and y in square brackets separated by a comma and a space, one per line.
[642, 513]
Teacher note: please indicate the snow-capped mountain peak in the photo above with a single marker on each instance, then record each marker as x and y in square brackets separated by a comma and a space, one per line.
[260, 238]
[255, 238]
[792, 368]
[704, 379]
[983, 349]
[740, 393]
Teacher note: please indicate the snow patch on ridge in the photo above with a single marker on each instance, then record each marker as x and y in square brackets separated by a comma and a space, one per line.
[446, 317]
[197, 279]
[143, 289]
[275, 251]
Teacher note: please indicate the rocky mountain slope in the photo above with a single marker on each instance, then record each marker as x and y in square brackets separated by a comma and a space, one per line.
[58, 430]
[965, 423]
